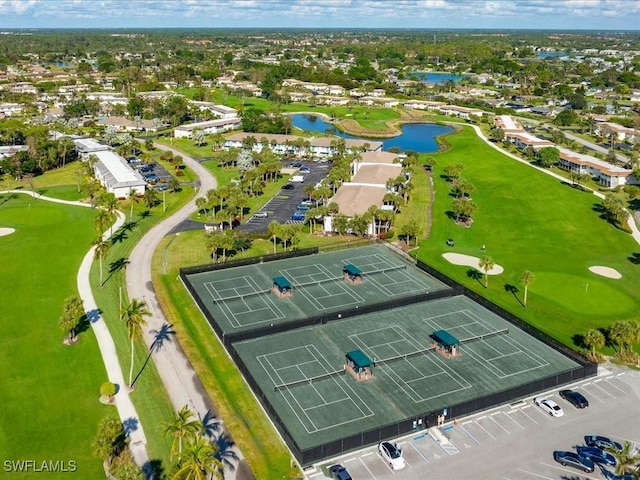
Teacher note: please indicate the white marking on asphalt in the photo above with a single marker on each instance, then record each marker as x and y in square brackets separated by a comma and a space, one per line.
[572, 471]
[598, 380]
[534, 474]
[482, 417]
[419, 452]
[485, 429]
[509, 417]
[621, 373]
[494, 421]
[367, 468]
[617, 388]
[467, 422]
[605, 391]
[470, 436]
[527, 415]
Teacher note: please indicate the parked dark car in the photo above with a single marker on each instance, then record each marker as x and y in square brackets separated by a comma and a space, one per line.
[161, 187]
[150, 177]
[298, 215]
[601, 442]
[574, 460]
[338, 472]
[575, 398]
[597, 455]
[288, 186]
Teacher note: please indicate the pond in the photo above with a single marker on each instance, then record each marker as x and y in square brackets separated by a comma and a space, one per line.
[418, 137]
[551, 54]
[436, 77]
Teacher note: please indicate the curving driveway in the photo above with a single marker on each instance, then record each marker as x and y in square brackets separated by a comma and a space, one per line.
[179, 379]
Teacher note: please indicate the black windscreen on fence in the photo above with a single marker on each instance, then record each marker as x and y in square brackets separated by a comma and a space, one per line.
[336, 447]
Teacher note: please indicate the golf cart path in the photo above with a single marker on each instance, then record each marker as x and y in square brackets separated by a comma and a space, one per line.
[126, 410]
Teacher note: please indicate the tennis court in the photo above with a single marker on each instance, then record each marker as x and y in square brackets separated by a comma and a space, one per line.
[243, 297]
[301, 372]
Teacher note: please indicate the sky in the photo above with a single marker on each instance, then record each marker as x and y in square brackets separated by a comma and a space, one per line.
[445, 14]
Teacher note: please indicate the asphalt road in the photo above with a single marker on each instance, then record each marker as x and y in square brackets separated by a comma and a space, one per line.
[179, 379]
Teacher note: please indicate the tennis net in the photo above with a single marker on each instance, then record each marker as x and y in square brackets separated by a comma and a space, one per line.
[309, 380]
[316, 282]
[384, 270]
[421, 351]
[240, 297]
[484, 336]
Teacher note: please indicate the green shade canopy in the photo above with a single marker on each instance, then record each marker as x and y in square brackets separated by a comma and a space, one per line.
[282, 283]
[352, 270]
[359, 359]
[444, 338]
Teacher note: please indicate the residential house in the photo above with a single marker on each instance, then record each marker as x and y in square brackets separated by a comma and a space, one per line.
[461, 112]
[601, 171]
[88, 146]
[10, 109]
[208, 127]
[116, 175]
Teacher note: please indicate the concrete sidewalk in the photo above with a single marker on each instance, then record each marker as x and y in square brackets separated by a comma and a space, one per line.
[126, 410]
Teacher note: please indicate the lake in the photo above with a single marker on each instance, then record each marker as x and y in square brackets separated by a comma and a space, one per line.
[418, 137]
[551, 54]
[435, 77]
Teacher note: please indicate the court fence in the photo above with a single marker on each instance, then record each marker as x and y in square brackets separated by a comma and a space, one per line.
[418, 423]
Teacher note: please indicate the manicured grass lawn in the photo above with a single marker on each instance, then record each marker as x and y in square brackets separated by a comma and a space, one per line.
[266, 454]
[151, 401]
[49, 392]
[530, 221]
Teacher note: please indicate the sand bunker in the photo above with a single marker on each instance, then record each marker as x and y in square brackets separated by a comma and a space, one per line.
[6, 231]
[469, 261]
[606, 272]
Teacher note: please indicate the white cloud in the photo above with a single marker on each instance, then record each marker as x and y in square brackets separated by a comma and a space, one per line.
[326, 13]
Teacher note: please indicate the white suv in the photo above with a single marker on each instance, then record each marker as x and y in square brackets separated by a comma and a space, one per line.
[392, 454]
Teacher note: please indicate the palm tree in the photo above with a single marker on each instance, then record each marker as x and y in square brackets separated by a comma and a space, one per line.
[594, 339]
[134, 317]
[101, 248]
[182, 427]
[201, 203]
[273, 230]
[527, 278]
[198, 461]
[72, 310]
[101, 220]
[133, 197]
[110, 203]
[486, 264]
[626, 459]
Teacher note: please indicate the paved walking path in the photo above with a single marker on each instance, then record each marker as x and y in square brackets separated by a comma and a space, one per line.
[635, 232]
[126, 410]
[179, 379]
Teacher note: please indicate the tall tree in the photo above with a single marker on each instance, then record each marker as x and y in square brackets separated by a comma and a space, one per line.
[198, 461]
[101, 248]
[72, 310]
[594, 339]
[134, 317]
[486, 264]
[627, 459]
[273, 230]
[133, 198]
[183, 427]
[527, 277]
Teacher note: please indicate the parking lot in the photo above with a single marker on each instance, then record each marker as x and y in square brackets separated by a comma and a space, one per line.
[514, 442]
[284, 203]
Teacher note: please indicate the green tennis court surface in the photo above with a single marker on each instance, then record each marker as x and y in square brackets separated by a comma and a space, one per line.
[330, 407]
[427, 348]
[241, 298]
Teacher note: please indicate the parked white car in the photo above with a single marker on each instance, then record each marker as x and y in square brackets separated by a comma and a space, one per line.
[392, 454]
[549, 406]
